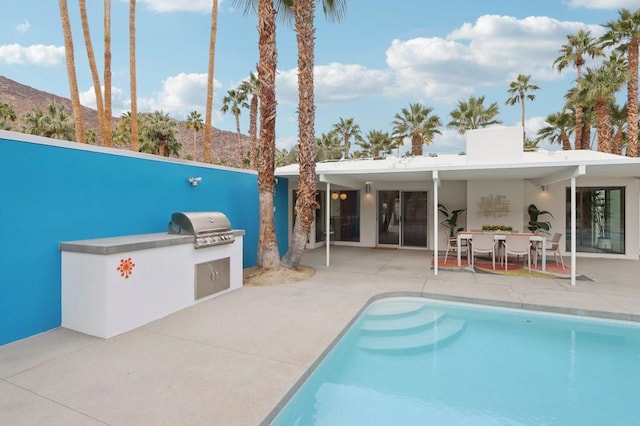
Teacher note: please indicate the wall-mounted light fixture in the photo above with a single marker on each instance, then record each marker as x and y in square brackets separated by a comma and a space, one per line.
[194, 181]
[367, 187]
[340, 195]
[544, 188]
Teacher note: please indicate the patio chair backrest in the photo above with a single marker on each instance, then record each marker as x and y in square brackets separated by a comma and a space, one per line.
[517, 243]
[483, 242]
[555, 241]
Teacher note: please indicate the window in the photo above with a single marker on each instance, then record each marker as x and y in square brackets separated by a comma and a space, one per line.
[599, 219]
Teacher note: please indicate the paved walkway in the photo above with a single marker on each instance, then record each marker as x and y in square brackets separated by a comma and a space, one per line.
[230, 359]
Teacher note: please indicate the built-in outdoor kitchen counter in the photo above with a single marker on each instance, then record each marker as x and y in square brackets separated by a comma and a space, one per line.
[113, 285]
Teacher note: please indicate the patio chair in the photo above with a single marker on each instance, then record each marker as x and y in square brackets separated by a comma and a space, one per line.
[452, 245]
[485, 244]
[553, 246]
[518, 245]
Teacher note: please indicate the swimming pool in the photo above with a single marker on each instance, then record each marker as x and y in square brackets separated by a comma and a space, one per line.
[415, 361]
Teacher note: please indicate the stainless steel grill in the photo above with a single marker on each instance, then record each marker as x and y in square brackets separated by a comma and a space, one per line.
[208, 228]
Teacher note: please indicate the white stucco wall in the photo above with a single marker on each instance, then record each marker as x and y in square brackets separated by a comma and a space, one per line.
[496, 202]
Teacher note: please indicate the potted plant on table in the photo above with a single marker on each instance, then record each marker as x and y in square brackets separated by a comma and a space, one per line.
[536, 225]
[451, 219]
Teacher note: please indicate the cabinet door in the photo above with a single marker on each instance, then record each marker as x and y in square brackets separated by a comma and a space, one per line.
[212, 277]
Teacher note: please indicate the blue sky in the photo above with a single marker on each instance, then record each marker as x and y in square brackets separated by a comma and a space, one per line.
[380, 58]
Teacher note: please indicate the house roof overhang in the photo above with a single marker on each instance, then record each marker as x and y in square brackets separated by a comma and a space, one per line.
[540, 167]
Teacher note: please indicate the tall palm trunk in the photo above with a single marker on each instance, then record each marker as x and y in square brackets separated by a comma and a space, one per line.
[236, 115]
[579, 114]
[603, 126]
[632, 99]
[132, 76]
[71, 71]
[586, 136]
[566, 143]
[97, 87]
[617, 142]
[268, 255]
[210, 81]
[347, 145]
[108, 133]
[579, 109]
[253, 132]
[524, 132]
[416, 144]
[306, 201]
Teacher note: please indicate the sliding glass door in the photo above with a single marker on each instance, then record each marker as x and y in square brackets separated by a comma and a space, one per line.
[402, 218]
[599, 219]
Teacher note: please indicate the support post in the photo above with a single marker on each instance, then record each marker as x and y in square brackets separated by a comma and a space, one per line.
[327, 219]
[436, 184]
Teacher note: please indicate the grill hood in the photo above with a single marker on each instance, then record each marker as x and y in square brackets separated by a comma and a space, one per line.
[208, 228]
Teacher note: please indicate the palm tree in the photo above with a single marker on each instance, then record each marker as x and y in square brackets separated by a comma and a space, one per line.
[132, 76]
[97, 88]
[600, 86]
[194, 121]
[210, 80]
[558, 129]
[573, 53]
[7, 113]
[519, 90]
[348, 129]
[107, 138]
[416, 123]
[619, 127]
[55, 123]
[376, 144]
[304, 13]
[268, 256]
[251, 90]
[624, 34]
[232, 102]
[328, 147]
[472, 114]
[159, 135]
[71, 72]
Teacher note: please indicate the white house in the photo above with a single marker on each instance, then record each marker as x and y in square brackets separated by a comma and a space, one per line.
[393, 201]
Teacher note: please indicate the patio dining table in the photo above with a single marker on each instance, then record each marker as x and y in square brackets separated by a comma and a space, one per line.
[501, 236]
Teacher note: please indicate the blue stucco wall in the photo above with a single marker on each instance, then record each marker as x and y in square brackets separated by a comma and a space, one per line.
[53, 191]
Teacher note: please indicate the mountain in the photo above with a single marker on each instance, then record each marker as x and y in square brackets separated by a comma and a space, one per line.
[224, 144]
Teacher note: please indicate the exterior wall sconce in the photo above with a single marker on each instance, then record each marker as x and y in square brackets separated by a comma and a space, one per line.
[367, 187]
[544, 188]
[194, 181]
[334, 195]
[343, 196]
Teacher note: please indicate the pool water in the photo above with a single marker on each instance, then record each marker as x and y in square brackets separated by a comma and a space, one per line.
[415, 361]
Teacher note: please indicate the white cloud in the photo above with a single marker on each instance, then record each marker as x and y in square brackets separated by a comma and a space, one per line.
[36, 54]
[23, 27]
[604, 4]
[168, 6]
[334, 83]
[120, 102]
[491, 51]
[180, 94]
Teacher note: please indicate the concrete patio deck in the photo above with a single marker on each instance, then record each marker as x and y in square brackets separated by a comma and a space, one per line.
[229, 360]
